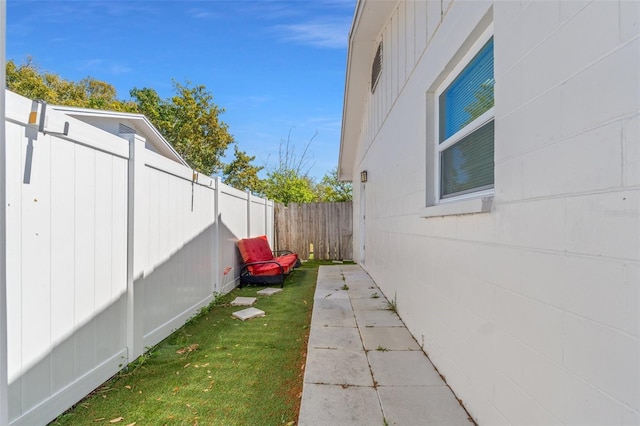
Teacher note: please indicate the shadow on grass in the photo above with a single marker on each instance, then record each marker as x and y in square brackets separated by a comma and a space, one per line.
[216, 369]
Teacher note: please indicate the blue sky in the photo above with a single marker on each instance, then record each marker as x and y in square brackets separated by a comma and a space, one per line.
[275, 66]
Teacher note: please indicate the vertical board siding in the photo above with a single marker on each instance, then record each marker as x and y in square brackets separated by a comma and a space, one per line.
[411, 37]
[405, 37]
[326, 226]
[68, 213]
[402, 45]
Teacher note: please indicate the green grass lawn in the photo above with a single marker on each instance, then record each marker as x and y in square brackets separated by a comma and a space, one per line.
[241, 373]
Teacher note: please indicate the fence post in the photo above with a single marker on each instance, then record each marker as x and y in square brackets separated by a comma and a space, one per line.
[217, 285]
[266, 222]
[248, 214]
[135, 238]
[4, 378]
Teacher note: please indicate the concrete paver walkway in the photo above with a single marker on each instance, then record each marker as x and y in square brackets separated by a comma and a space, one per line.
[363, 367]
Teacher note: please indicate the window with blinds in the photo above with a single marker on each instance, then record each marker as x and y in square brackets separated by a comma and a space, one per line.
[376, 68]
[466, 128]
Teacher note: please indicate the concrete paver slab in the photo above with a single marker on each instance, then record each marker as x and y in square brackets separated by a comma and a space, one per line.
[338, 367]
[335, 338]
[330, 285]
[333, 313]
[384, 318]
[243, 301]
[403, 368]
[332, 294]
[333, 318]
[248, 313]
[269, 291]
[364, 292]
[324, 405]
[331, 303]
[390, 338]
[408, 387]
[370, 304]
[422, 405]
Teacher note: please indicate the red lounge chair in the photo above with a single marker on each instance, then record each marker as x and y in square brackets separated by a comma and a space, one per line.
[263, 266]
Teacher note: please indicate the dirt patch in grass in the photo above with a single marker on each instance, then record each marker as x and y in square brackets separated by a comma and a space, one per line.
[216, 369]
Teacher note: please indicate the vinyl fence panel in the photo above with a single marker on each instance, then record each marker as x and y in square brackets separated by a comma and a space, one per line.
[66, 265]
[110, 247]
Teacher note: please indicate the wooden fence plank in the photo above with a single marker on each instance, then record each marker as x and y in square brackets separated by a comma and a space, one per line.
[328, 227]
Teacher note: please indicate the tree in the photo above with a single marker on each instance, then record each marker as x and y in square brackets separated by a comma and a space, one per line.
[190, 122]
[286, 183]
[330, 189]
[28, 80]
[241, 174]
[286, 186]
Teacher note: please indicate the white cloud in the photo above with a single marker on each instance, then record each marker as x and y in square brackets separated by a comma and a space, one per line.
[332, 35]
[104, 64]
[202, 14]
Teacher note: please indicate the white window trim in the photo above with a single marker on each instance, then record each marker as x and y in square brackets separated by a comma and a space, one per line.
[469, 128]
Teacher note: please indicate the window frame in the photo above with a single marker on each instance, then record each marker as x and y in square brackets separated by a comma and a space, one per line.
[476, 124]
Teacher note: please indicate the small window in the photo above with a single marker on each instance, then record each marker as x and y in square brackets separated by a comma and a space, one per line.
[376, 68]
[465, 132]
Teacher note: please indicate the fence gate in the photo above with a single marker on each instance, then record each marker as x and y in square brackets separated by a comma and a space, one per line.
[320, 231]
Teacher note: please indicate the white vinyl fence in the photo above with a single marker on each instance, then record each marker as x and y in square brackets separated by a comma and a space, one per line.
[110, 247]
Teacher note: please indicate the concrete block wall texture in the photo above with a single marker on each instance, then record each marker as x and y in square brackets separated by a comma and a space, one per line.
[532, 310]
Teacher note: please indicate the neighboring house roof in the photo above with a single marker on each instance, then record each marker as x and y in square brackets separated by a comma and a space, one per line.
[119, 123]
[368, 21]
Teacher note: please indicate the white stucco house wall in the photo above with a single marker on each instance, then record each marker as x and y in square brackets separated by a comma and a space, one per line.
[494, 148]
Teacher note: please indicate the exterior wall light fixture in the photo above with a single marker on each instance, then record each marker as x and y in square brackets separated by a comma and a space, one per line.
[363, 176]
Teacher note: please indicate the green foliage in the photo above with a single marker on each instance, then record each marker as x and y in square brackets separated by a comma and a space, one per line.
[287, 183]
[288, 186]
[149, 103]
[28, 80]
[392, 304]
[190, 121]
[241, 174]
[330, 189]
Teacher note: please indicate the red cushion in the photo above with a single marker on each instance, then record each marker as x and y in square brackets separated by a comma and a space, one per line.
[287, 261]
[266, 269]
[255, 249]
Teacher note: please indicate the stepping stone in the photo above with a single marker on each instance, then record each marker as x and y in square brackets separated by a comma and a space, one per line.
[248, 313]
[243, 301]
[269, 291]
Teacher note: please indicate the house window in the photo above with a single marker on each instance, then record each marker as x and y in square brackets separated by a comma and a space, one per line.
[465, 127]
[376, 68]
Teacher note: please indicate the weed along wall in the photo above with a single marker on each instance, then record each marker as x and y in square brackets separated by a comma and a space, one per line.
[110, 247]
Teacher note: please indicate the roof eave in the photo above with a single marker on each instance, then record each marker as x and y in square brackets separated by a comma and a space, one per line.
[369, 19]
[128, 116]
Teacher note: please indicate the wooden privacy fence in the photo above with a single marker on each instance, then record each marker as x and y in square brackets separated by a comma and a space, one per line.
[321, 231]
